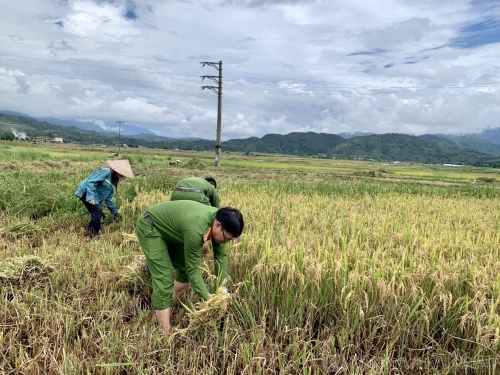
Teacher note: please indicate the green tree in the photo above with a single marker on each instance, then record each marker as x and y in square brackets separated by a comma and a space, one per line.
[8, 136]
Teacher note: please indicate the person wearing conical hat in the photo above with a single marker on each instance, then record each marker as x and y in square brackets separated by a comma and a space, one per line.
[100, 187]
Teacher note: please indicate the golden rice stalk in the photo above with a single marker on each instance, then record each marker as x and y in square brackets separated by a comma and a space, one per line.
[22, 270]
[144, 200]
[210, 312]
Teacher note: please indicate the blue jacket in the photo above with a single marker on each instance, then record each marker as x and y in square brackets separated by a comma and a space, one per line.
[100, 186]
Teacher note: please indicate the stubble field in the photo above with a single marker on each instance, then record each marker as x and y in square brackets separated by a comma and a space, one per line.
[344, 267]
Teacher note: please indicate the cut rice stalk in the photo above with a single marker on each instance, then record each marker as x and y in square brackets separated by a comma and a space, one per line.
[20, 229]
[27, 269]
[210, 312]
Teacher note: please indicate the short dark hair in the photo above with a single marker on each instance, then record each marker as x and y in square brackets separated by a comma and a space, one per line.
[231, 220]
[212, 181]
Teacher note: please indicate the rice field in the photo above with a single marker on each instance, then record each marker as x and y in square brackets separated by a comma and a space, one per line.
[344, 267]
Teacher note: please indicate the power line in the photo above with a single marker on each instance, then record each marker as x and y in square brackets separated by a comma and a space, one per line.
[90, 75]
[341, 85]
[168, 104]
[176, 101]
[99, 53]
[284, 78]
[154, 58]
[196, 71]
[173, 102]
[373, 92]
[344, 85]
[159, 59]
[93, 66]
[397, 89]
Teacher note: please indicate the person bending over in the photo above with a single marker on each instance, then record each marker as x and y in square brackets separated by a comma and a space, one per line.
[198, 190]
[100, 187]
[171, 235]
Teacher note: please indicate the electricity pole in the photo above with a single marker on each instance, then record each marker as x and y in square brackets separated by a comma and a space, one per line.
[119, 135]
[218, 90]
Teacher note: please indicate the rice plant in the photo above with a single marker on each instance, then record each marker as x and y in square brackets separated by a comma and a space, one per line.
[337, 272]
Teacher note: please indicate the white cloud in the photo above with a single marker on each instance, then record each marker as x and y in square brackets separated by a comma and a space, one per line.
[351, 65]
[103, 20]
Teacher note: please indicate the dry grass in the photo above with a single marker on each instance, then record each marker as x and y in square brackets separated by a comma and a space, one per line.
[26, 271]
[344, 278]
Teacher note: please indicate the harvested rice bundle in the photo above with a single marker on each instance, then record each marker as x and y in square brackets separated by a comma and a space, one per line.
[210, 312]
[195, 164]
[24, 270]
[27, 228]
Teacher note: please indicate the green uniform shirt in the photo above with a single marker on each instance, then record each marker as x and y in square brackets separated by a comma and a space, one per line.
[209, 195]
[182, 224]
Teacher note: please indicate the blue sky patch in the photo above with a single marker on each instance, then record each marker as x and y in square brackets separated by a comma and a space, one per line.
[369, 70]
[478, 34]
[374, 52]
[131, 11]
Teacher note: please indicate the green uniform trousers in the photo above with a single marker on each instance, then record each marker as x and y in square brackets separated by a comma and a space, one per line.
[162, 259]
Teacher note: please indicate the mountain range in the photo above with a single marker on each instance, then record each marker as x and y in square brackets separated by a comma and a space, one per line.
[107, 128]
[428, 148]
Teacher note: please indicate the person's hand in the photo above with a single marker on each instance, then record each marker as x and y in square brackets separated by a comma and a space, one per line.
[92, 202]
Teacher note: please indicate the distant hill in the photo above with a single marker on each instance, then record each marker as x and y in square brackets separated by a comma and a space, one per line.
[89, 126]
[33, 128]
[466, 142]
[354, 134]
[472, 141]
[126, 129]
[439, 139]
[382, 147]
[478, 144]
[490, 135]
[403, 147]
[150, 137]
[306, 144]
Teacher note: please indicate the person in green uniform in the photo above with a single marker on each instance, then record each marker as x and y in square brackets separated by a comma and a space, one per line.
[198, 190]
[171, 235]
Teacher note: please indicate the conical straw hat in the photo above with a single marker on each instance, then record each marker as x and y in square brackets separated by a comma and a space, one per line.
[122, 167]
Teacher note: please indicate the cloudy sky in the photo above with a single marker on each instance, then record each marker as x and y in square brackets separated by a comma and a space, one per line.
[400, 66]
